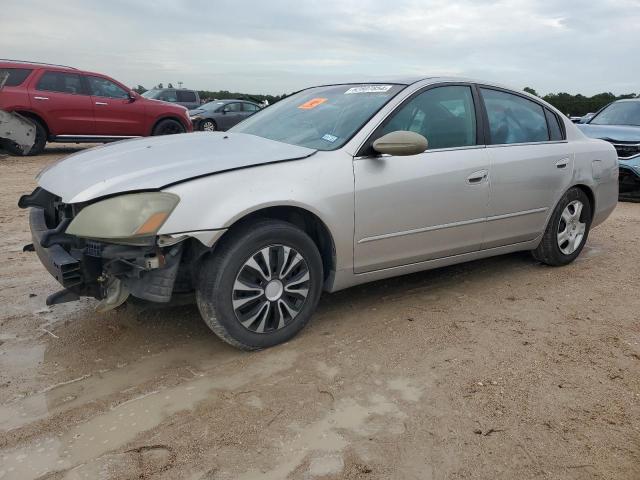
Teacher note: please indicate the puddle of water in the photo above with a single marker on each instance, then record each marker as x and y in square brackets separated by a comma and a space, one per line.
[90, 387]
[407, 391]
[323, 438]
[121, 425]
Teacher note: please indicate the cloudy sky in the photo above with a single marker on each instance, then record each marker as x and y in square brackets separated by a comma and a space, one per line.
[276, 46]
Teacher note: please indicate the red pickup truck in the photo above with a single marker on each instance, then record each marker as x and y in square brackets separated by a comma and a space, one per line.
[71, 105]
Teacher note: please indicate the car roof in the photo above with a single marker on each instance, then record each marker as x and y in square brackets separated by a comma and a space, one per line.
[628, 100]
[8, 63]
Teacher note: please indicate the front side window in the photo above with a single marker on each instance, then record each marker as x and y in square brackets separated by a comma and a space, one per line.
[15, 76]
[619, 113]
[514, 119]
[322, 118]
[101, 87]
[445, 116]
[233, 107]
[186, 96]
[60, 82]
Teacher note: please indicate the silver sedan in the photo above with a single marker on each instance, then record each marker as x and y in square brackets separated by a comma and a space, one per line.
[334, 186]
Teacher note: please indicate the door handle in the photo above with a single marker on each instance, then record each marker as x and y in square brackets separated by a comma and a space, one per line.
[41, 98]
[562, 163]
[102, 103]
[477, 177]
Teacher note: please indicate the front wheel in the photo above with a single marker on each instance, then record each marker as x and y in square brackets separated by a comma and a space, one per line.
[261, 286]
[208, 126]
[567, 230]
[168, 127]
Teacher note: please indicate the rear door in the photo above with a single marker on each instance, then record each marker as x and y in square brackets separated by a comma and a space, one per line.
[249, 109]
[61, 98]
[116, 114]
[531, 165]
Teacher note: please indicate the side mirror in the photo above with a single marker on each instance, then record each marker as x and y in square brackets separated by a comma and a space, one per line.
[132, 97]
[401, 143]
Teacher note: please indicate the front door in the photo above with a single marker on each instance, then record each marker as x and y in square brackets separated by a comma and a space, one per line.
[231, 114]
[115, 112]
[531, 166]
[62, 100]
[414, 208]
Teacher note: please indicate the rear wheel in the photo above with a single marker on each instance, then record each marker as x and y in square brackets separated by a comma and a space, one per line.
[567, 230]
[262, 285]
[38, 146]
[168, 127]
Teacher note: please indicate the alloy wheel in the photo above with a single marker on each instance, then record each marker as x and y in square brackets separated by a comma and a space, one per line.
[208, 126]
[270, 289]
[571, 229]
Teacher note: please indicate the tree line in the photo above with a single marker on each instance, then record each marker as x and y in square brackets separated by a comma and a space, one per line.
[222, 94]
[579, 105]
[573, 105]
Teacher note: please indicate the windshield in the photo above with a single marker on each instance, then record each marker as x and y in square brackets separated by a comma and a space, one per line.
[322, 118]
[150, 93]
[619, 113]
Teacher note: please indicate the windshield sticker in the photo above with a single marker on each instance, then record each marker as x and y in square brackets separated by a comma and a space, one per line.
[369, 89]
[313, 103]
[329, 138]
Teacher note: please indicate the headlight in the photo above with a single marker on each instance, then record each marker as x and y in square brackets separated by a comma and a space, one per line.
[131, 217]
[196, 117]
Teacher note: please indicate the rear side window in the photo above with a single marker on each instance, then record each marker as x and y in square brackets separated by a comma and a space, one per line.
[16, 76]
[514, 119]
[60, 82]
[249, 107]
[555, 131]
[186, 96]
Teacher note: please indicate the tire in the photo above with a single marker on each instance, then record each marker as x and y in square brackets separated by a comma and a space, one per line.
[38, 147]
[567, 231]
[231, 291]
[208, 125]
[168, 126]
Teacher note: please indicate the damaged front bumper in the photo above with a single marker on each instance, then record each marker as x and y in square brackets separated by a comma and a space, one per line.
[108, 272]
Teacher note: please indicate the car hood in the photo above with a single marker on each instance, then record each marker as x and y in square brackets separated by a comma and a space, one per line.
[612, 133]
[196, 111]
[156, 162]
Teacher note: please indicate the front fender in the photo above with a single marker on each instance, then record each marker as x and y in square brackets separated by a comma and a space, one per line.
[322, 184]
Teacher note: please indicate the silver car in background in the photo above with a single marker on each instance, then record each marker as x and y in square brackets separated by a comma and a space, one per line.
[332, 187]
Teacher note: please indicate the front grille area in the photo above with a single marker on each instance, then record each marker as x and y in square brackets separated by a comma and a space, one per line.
[627, 150]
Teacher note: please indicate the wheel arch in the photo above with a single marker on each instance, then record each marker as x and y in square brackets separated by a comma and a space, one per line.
[35, 116]
[590, 195]
[167, 117]
[304, 219]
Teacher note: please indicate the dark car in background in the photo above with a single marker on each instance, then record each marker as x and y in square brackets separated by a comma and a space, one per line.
[70, 105]
[181, 96]
[619, 124]
[221, 114]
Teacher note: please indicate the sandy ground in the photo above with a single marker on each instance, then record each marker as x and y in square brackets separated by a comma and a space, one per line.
[496, 369]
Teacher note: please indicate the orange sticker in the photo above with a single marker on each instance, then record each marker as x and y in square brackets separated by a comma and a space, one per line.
[313, 103]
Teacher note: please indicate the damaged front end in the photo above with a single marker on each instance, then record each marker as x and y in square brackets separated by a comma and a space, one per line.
[141, 266]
